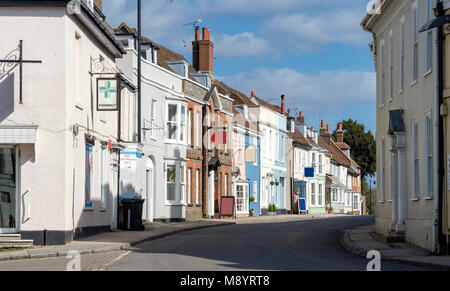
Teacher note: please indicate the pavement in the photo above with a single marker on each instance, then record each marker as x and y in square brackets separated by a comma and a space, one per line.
[360, 240]
[111, 241]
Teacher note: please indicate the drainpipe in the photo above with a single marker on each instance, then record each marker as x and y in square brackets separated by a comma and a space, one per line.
[139, 72]
[204, 167]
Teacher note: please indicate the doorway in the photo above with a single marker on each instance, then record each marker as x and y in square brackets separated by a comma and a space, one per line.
[211, 191]
[8, 189]
[149, 186]
[114, 194]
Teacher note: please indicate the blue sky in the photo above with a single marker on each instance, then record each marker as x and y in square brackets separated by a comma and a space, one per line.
[314, 52]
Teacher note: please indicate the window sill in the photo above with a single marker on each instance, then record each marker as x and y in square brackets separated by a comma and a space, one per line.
[414, 83]
[382, 201]
[428, 73]
[103, 210]
[427, 198]
[401, 92]
[88, 209]
[390, 100]
[415, 199]
[381, 106]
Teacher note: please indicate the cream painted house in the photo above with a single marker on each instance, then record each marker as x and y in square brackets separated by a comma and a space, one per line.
[405, 62]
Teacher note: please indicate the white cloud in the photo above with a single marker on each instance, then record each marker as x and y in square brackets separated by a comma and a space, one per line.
[327, 91]
[301, 33]
[244, 44]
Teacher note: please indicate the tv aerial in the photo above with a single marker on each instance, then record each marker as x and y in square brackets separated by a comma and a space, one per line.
[194, 24]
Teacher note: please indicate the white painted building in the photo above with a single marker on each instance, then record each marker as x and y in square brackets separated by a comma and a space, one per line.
[59, 153]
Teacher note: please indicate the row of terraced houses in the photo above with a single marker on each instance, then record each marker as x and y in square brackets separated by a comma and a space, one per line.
[76, 138]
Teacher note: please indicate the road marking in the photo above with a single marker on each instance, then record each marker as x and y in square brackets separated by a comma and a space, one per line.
[118, 258]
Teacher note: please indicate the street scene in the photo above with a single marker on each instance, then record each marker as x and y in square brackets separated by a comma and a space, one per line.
[184, 135]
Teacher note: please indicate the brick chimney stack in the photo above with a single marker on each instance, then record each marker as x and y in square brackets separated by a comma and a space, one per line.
[325, 133]
[301, 118]
[340, 133]
[283, 104]
[203, 52]
[322, 127]
[99, 4]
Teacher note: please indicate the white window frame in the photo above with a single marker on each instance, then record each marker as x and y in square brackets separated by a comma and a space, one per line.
[391, 66]
[197, 187]
[255, 191]
[383, 74]
[428, 155]
[383, 171]
[153, 119]
[428, 41]
[180, 124]
[180, 186]
[189, 127]
[414, 44]
[415, 160]
[402, 55]
[189, 186]
[246, 197]
[313, 194]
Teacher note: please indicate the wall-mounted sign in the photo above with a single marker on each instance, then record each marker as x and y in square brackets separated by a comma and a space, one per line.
[309, 172]
[108, 94]
[128, 160]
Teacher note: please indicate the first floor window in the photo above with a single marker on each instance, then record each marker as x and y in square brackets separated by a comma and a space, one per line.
[429, 155]
[176, 123]
[415, 158]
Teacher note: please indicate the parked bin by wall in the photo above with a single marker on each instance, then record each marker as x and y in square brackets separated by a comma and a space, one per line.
[131, 214]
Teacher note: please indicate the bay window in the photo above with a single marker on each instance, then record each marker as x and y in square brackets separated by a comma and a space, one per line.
[175, 183]
[176, 123]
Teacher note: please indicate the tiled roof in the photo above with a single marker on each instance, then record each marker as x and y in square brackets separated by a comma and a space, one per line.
[164, 54]
[342, 145]
[337, 155]
[238, 97]
[298, 137]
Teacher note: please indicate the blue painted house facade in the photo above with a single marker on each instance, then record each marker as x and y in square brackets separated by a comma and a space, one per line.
[253, 170]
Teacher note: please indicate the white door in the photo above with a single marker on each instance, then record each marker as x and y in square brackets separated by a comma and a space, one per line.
[9, 210]
[242, 199]
[147, 211]
[114, 195]
[211, 194]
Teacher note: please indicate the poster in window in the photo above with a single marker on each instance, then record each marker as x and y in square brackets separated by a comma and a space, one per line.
[88, 182]
[108, 94]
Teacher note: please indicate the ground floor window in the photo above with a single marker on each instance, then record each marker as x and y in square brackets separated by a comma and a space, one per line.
[313, 194]
[8, 188]
[89, 159]
[355, 202]
[242, 199]
[175, 183]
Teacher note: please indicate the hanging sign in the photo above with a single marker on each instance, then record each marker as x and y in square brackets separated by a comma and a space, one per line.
[108, 94]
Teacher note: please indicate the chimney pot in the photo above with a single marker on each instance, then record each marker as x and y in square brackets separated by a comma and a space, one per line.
[328, 128]
[253, 94]
[206, 33]
[283, 104]
[197, 33]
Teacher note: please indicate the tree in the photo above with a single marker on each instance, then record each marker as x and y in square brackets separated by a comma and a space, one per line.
[362, 144]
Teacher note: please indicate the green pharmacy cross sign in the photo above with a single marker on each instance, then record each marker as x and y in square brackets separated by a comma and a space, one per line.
[108, 94]
[107, 90]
